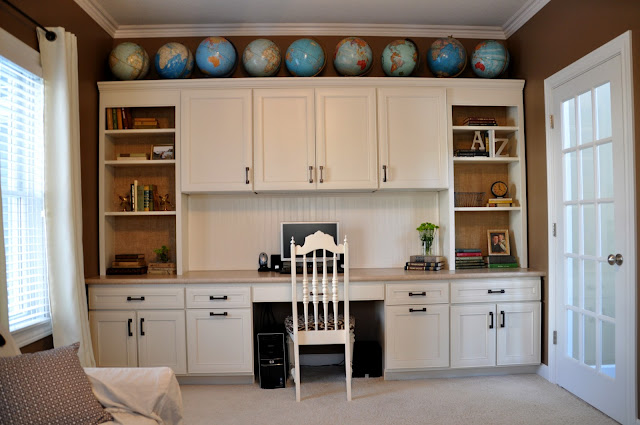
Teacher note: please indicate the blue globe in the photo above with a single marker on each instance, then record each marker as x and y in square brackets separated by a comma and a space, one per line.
[174, 60]
[446, 57]
[129, 61]
[400, 58]
[216, 57]
[489, 59]
[353, 57]
[261, 58]
[304, 58]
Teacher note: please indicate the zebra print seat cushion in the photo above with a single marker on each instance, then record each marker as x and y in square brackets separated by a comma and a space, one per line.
[288, 323]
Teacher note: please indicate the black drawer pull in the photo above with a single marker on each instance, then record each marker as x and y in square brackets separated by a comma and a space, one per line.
[502, 314]
[141, 326]
[135, 298]
[499, 291]
[129, 326]
[418, 294]
[491, 316]
[416, 310]
[213, 297]
[211, 313]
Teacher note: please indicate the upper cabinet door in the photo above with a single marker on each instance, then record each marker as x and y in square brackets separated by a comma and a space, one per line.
[284, 139]
[346, 142]
[412, 123]
[216, 153]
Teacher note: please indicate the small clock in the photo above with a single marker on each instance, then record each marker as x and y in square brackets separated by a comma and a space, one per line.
[499, 189]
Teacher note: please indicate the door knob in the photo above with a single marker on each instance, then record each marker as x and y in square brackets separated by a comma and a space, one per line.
[615, 259]
[619, 259]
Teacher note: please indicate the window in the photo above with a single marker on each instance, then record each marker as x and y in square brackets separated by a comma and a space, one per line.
[22, 183]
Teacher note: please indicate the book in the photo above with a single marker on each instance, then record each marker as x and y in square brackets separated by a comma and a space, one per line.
[114, 118]
[468, 250]
[426, 258]
[146, 198]
[425, 268]
[504, 266]
[162, 265]
[161, 271]
[125, 123]
[469, 254]
[139, 197]
[500, 259]
[500, 200]
[468, 259]
[119, 118]
[129, 257]
[126, 270]
[133, 155]
[109, 119]
[424, 264]
[470, 267]
[149, 197]
[134, 197]
[137, 263]
[500, 205]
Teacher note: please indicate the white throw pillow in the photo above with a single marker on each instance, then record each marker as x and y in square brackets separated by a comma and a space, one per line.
[10, 348]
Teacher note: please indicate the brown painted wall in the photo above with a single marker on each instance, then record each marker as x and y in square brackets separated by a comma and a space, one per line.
[94, 45]
[561, 33]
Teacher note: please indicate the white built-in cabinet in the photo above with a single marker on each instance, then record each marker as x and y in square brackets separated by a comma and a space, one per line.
[412, 125]
[217, 140]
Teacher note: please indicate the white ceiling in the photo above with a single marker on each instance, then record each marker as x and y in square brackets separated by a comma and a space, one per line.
[460, 18]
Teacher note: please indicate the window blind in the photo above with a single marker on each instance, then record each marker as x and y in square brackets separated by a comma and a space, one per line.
[22, 183]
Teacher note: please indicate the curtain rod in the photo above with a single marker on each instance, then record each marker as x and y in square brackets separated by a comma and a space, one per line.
[50, 35]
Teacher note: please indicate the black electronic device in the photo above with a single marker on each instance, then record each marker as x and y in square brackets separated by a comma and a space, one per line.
[272, 360]
[286, 267]
[367, 359]
[276, 263]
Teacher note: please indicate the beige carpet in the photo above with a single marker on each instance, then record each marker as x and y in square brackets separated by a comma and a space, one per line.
[495, 400]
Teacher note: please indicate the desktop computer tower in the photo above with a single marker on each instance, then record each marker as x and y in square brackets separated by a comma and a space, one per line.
[272, 360]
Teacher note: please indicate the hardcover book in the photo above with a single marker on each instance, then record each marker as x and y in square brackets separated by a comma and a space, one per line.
[426, 258]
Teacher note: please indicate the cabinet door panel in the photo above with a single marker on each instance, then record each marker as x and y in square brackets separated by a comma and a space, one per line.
[220, 344]
[113, 344]
[284, 139]
[163, 342]
[216, 140]
[346, 143]
[417, 339]
[473, 335]
[518, 333]
[412, 124]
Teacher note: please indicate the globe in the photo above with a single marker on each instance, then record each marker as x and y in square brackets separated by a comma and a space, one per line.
[446, 57]
[400, 58]
[489, 59]
[304, 58]
[261, 58]
[174, 60]
[216, 57]
[129, 61]
[352, 57]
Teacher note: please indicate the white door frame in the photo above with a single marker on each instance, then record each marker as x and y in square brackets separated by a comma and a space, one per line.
[620, 46]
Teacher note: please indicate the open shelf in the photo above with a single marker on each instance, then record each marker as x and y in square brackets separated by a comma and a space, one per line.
[141, 162]
[487, 209]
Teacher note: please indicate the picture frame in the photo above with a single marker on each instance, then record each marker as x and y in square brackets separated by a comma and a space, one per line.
[162, 152]
[498, 242]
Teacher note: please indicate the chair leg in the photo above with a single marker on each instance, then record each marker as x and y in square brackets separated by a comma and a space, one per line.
[348, 364]
[296, 378]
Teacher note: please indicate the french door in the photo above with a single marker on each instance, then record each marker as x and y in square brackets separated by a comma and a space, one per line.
[593, 248]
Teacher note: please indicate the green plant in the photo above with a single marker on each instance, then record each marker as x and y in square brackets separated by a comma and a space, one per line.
[162, 254]
[427, 232]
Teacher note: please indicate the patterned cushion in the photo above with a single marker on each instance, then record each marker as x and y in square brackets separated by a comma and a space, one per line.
[49, 387]
[288, 323]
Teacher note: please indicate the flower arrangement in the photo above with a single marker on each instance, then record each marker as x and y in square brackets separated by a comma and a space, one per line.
[162, 254]
[427, 233]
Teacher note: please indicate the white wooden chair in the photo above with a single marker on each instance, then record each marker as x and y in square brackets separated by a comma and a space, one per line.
[321, 328]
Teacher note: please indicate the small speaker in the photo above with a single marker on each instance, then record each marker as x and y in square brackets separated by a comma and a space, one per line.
[276, 263]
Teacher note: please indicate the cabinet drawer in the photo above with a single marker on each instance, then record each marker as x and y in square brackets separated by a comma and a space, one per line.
[217, 296]
[417, 293]
[495, 290]
[136, 297]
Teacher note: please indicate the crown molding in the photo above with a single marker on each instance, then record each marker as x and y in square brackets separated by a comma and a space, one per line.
[310, 29]
[98, 14]
[521, 17]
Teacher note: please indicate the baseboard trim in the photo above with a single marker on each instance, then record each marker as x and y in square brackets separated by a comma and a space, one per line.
[215, 380]
[395, 375]
[543, 370]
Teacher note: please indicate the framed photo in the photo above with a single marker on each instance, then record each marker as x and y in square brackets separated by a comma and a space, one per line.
[498, 242]
[160, 152]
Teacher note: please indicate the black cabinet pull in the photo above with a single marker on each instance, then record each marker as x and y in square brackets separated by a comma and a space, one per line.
[246, 175]
[129, 326]
[491, 316]
[499, 291]
[211, 313]
[384, 173]
[142, 326]
[417, 294]
[502, 314]
[213, 297]
[135, 298]
[416, 310]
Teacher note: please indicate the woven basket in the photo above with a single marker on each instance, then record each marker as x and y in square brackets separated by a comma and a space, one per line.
[469, 199]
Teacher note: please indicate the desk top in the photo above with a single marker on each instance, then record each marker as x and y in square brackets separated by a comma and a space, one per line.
[356, 275]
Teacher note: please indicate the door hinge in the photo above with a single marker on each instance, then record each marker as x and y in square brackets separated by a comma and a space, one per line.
[551, 121]
[554, 230]
[555, 337]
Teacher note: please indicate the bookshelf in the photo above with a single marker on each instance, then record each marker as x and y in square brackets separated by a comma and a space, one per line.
[138, 231]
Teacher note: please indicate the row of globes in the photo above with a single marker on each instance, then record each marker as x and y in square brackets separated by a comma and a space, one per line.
[305, 57]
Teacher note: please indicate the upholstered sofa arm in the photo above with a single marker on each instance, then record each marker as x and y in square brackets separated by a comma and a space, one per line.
[138, 395]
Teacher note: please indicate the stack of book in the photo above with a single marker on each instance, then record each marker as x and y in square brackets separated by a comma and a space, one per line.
[134, 156]
[502, 262]
[141, 123]
[479, 121]
[469, 258]
[128, 264]
[161, 268]
[119, 118]
[425, 262]
[143, 197]
[500, 202]
[470, 152]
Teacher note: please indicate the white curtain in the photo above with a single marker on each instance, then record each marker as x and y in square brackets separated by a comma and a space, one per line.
[63, 200]
[4, 297]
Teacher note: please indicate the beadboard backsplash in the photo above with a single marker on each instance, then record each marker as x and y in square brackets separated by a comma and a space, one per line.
[227, 232]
